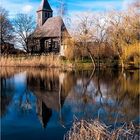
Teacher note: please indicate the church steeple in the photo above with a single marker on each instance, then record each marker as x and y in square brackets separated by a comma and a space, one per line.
[44, 12]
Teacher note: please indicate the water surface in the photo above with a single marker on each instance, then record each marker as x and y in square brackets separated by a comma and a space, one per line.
[43, 103]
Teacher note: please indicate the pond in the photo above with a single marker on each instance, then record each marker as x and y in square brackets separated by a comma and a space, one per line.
[43, 103]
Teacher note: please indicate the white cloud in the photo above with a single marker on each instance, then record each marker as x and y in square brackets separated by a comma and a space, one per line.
[27, 8]
[126, 3]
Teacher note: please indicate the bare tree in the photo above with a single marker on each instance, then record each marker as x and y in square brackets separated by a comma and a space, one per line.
[123, 31]
[6, 29]
[116, 34]
[100, 24]
[134, 4]
[84, 35]
[62, 8]
[91, 34]
[24, 26]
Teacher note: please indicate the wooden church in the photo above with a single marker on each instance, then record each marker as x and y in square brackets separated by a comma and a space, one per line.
[51, 32]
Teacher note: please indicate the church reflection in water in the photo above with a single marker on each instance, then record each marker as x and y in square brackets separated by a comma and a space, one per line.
[110, 93]
[51, 87]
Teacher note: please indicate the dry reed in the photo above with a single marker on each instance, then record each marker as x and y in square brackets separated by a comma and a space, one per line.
[43, 61]
[32, 61]
[95, 130]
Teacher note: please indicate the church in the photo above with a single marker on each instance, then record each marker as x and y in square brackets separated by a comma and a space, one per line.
[51, 33]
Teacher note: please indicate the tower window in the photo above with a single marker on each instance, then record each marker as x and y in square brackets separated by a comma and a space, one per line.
[46, 15]
[50, 14]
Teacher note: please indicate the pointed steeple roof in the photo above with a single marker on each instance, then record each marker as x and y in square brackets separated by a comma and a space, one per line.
[49, 29]
[44, 6]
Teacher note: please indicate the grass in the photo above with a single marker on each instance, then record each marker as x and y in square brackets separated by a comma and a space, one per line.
[95, 130]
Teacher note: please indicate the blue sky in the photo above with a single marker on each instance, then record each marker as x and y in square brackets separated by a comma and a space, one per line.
[74, 6]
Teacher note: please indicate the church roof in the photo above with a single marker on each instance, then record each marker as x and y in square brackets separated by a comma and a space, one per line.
[44, 6]
[53, 27]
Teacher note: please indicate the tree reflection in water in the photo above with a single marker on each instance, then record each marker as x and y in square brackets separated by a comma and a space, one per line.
[7, 90]
[104, 94]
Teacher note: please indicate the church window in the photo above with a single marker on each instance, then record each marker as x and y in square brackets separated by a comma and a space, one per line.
[47, 44]
[39, 15]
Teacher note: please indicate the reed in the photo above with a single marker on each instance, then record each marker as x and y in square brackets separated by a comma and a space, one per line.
[95, 130]
[43, 61]
[31, 61]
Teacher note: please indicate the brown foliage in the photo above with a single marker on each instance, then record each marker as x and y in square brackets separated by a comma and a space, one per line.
[72, 52]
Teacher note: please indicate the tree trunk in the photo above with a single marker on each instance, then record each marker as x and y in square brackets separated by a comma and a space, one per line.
[91, 57]
[122, 63]
[27, 46]
[88, 82]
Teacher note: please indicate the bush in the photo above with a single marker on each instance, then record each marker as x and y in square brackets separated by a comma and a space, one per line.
[62, 58]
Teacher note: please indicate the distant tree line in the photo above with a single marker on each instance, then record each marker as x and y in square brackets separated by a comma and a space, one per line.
[115, 34]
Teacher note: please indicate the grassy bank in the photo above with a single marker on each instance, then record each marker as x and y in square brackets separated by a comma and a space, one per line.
[54, 61]
[95, 130]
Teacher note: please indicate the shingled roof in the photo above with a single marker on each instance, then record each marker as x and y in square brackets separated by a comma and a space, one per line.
[53, 27]
[44, 6]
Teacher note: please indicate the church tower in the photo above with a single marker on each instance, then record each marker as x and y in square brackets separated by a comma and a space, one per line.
[44, 12]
